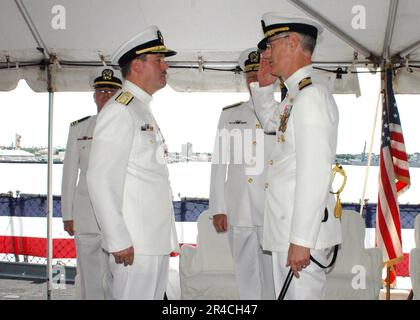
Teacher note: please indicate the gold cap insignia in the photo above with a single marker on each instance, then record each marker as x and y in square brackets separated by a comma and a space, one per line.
[107, 74]
[159, 34]
[254, 57]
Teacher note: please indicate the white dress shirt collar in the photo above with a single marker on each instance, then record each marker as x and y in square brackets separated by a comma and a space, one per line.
[138, 92]
[292, 83]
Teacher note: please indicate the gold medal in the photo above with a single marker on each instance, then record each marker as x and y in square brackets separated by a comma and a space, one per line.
[284, 117]
[282, 138]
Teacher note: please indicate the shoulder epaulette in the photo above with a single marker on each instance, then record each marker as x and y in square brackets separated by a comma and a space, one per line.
[124, 98]
[232, 106]
[305, 82]
[80, 120]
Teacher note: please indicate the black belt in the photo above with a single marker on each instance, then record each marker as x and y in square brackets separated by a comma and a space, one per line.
[290, 274]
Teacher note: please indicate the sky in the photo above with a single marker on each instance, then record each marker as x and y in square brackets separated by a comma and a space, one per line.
[193, 117]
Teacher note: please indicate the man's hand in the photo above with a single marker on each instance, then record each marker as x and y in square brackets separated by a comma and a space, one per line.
[125, 256]
[220, 222]
[298, 258]
[264, 76]
[69, 227]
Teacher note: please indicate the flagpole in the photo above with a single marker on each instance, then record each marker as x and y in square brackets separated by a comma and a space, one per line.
[362, 199]
[388, 267]
[388, 283]
[410, 295]
[50, 208]
[394, 178]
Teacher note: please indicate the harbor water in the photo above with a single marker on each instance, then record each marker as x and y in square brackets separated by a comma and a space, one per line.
[192, 179]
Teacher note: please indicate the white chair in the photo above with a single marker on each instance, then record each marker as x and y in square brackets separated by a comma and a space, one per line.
[357, 272]
[415, 261]
[207, 271]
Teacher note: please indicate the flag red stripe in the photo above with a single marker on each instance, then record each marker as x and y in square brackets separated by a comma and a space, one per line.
[399, 154]
[397, 136]
[383, 229]
[400, 172]
[388, 209]
[386, 187]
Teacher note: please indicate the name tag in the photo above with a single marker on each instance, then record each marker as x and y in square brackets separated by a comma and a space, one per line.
[85, 138]
[147, 127]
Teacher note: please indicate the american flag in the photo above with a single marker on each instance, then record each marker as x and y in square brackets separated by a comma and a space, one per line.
[394, 178]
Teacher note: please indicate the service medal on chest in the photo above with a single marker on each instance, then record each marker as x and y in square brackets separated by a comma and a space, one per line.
[284, 118]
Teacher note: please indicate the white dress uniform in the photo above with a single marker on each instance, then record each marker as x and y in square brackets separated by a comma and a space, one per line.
[92, 261]
[129, 185]
[299, 177]
[237, 190]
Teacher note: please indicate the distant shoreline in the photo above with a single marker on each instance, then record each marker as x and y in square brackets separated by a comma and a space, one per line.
[31, 162]
[344, 163]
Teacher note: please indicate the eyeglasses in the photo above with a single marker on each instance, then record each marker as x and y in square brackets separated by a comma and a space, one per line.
[106, 91]
[271, 40]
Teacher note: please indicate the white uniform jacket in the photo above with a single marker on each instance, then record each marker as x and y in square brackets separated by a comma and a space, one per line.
[75, 201]
[128, 177]
[299, 173]
[238, 166]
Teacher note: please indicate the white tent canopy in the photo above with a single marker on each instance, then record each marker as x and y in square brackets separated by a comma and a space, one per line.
[55, 47]
[208, 34]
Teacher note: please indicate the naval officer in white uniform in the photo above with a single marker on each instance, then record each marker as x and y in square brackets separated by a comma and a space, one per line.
[128, 177]
[237, 189]
[299, 219]
[78, 216]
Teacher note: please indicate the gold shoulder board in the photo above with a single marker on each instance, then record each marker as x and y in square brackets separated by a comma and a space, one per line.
[305, 82]
[125, 98]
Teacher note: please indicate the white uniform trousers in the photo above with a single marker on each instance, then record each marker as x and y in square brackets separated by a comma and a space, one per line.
[253, 266]
[145, 279]
[311, 282]
[92, 264]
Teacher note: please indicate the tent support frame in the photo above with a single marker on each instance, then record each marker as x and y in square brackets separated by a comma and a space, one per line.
[392, 15]
[336, 31]
[51, 61]
[402, 54]
[49, 181]
[32, 28]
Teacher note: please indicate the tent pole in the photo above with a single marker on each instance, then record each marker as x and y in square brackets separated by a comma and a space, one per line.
[32, 28]
[408, 50]
[372, 138]
[392, 15]
[49, 183]
[37, 37]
